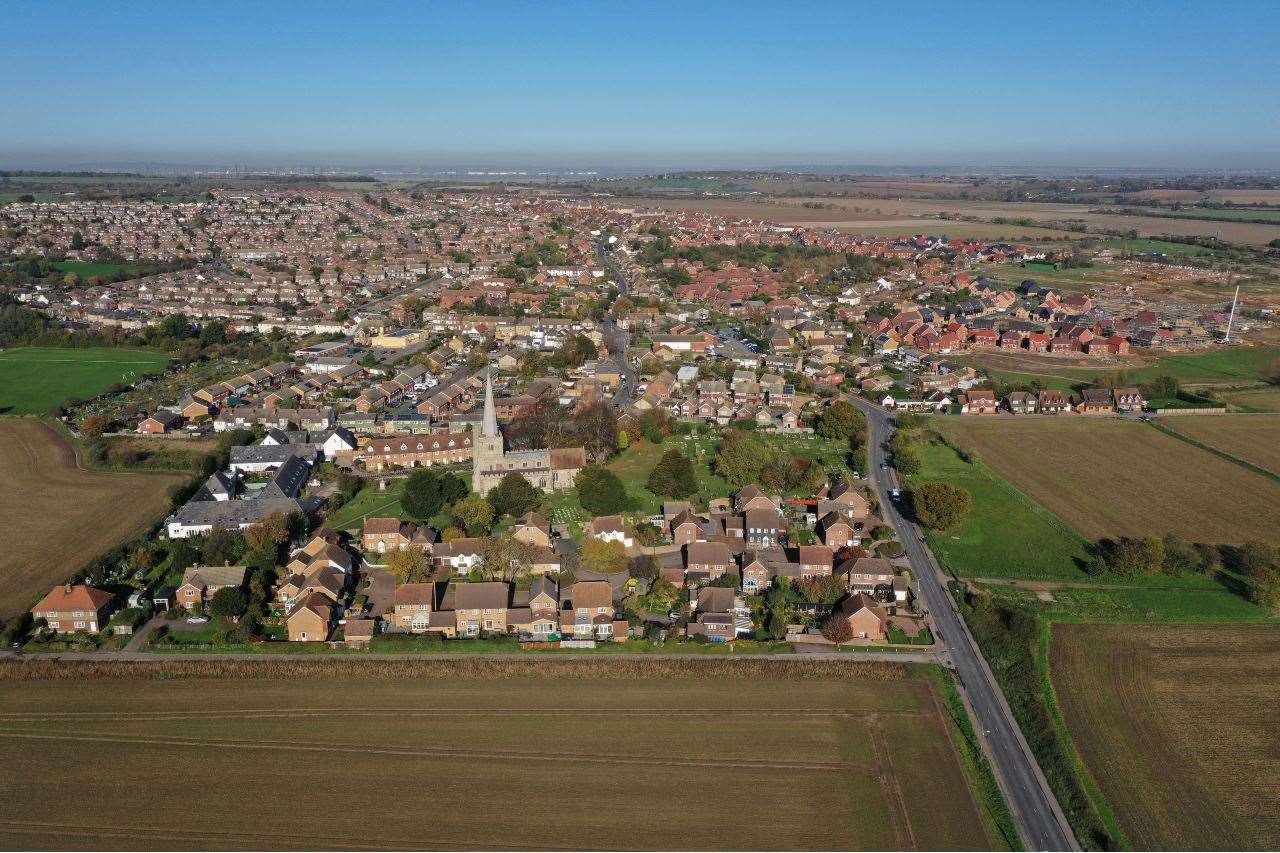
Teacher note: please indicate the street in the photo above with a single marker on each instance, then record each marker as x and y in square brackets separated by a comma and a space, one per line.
[1035, 809]
[615, 338]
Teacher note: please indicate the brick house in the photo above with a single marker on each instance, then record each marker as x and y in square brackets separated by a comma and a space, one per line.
[200, 583]
[68, 608]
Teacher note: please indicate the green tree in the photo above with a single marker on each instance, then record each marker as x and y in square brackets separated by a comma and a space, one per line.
[600, 491]
[673, 476]
[426, 492]
[602, 557]
[742, 458]
[841, 420]
[213, 332]
[514, 496]
[473, 513]
[228, 603]
[940, 506]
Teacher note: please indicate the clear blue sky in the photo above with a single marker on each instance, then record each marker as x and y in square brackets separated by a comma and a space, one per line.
[693, 83]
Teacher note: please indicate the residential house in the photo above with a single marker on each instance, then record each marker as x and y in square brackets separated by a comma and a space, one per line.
[68, 608]
[201, 583]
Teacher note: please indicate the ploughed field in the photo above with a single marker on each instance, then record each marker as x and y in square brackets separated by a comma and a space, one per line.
[55, 516]
[1110, 477]
[1180, 728]
[34, 379]
[479, 754]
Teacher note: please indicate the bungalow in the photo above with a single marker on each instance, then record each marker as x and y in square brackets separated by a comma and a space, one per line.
[159, 423]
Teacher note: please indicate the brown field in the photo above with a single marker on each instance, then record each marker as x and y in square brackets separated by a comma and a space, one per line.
[550, 757]
[853, 213]
[1108, 477]
[55, 516]
[1253, 438]
[1271, 197]
[1180, 728]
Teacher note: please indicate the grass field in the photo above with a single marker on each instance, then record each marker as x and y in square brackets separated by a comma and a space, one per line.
[34, 379]
[1006, 535]
[484, 756]
[368, 502]
[55, 516]
[1253, 438]
[1111, 477]
[1255, 400]
[1179, 727]
[1231, 366]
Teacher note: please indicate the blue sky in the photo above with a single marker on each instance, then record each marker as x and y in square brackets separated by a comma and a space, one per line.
[696, 84]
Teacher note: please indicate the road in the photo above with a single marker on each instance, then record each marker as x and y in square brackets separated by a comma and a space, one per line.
[616, 339]
[1036, 811]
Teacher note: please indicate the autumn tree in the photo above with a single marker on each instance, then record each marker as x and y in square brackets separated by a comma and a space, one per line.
[837, 629]
[940, 506]
[93, 427]
[596, 426]
[409, 565]
[602, 557]
[473, 513]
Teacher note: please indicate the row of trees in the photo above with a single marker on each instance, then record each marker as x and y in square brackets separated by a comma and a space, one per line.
[1253, 567]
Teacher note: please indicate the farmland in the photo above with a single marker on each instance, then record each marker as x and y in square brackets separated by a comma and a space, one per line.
[56, 516]
[846, 756]
[34, 379]
[1253, 438]
[1110, 477]
[1179, 728]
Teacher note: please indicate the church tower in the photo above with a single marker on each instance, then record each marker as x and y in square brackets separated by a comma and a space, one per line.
[486, 448]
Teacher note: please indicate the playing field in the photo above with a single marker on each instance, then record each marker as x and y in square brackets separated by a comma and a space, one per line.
[486, 755]
[1108, 477]
[34, 379]
[1179, 727]
[1253, 438]
[55, 516]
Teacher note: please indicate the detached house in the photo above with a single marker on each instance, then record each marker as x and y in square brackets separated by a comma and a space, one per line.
[200, 583]
[1130, 400]
[68, 608]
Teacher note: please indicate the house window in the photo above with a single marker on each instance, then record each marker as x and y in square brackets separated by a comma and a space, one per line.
[79, 625]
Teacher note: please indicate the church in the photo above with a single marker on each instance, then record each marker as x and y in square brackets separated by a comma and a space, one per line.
[490, 462]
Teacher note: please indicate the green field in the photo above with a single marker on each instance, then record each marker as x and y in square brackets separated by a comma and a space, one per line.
[1142, 246]
[369, 501]
[85, 269]
[1219, 365]
[34, 379]
[481, 755]
[1007, 535]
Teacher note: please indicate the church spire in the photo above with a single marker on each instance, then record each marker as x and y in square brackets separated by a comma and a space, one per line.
[490, 426]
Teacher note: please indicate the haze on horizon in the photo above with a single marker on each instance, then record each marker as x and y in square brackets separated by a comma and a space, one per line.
[663, 86]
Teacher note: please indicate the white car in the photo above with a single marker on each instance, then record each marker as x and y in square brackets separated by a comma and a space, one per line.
[197, 620]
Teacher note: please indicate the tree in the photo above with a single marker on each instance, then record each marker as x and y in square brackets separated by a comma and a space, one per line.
[648, 534]
[596, 426]
[742, 458]
[268, 535]
[426, 492]
[837, 629]
[409, 565]
[673, 476]
[841, 420]
[600, 491]
[228, 603]
[93, 427]
[176, 326]
[907, 460]
[504, 558]
[473, 513]
[514, 496]
[1128, 555]
[213, 332]
[940, 506]
[602, 557]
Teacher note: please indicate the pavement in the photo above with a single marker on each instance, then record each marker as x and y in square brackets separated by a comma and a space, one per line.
[1035, 810]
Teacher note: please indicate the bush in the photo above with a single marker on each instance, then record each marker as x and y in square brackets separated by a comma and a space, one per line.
[940, 506]
[890, 550]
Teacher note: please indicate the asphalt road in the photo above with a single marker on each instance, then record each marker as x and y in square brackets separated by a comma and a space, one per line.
[1036, 811]
[618, 340]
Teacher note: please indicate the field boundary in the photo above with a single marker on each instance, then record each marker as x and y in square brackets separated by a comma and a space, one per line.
[1093, 793]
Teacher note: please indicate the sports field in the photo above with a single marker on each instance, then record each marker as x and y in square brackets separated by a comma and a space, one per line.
[56, 516]
[34, 379]
[1179, 727]
[1253, 438]
[1107, 477]
[483, 754]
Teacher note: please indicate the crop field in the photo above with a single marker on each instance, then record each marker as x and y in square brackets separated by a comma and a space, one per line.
[56, 516]
[1255, 400]
[1179, 726]
[483, 756]
[1253, 438]
[34, 379]
[1107, 477]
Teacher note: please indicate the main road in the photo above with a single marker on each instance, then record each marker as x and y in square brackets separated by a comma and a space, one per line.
[1035, 809]
[616, 339]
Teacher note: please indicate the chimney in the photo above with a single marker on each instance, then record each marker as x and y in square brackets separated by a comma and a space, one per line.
[66, 587]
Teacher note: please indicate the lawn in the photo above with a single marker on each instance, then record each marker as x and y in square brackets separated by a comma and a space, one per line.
[369, 501]
[35, 379]
[1253, 438]
[841, 756]
[1108, 477]
[55, 516]
[1179, 727]
[1006, 535]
